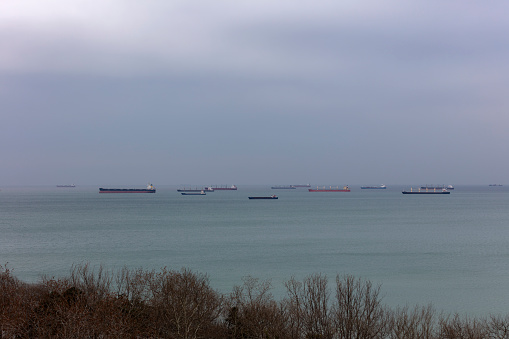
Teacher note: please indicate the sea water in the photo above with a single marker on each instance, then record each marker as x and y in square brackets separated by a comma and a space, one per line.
[448, 250]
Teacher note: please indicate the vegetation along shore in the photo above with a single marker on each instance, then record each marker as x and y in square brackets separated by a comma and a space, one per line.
[136, 303]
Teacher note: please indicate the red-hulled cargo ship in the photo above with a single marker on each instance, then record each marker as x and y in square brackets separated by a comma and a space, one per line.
[330, 189]
[222, 188]
[149, 189]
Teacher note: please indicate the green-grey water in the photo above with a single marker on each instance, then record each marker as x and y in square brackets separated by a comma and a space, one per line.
[448, 250]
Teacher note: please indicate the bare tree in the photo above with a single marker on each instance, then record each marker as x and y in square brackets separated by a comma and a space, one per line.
[307, 308]
[185, 305]
[415, 324]
[454, 328]
[498, 327]
[294, 307]
[251, 312]
[357, 311]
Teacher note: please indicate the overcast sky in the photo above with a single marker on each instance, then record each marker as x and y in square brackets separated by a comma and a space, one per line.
[254, 92]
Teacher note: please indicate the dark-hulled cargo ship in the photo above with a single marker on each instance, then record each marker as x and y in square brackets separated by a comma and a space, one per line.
[222, 188]
[149, 189]
[330, 189]
[195, 189]
[381, 187]
[269, 197]
[427, 191]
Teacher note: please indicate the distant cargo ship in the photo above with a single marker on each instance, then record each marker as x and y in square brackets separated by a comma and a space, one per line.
[270, 197]
[66, 185]
[291, 187]
[437, 187]
[381, 187]
[208, 189]
[330, 189]
[149, 189]
[427, 191]
[222, 188]
[202, 192]
[308, 185]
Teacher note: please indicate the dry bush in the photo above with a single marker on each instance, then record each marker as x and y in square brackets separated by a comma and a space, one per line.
[94, 284]
[456, 328]
[415, 324]
[17, 301]
[62, 312]
[294, 307]
[133, 296]
[251, 312]
[498, 327]
[81, 305]
[357, 310]
[308, 309]
[183, 304]
[316, 317]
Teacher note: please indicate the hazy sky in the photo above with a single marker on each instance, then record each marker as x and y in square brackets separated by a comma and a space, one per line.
[254, 92]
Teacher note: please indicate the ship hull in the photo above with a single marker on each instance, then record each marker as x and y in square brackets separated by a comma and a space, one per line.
[127, 190]
[231, 188]
[326, 190]
[406, 192]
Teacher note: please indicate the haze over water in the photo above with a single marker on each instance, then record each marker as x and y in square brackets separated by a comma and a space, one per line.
[449, 250]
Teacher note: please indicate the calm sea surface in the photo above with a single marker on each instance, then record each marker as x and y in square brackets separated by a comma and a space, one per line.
[448, 250]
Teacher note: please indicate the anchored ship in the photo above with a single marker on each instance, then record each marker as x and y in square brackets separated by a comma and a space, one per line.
[202, 192]
[222, 188]
[149, 189]
[438, 187]
[208, 189]
[427, 191]
[291, 187]
[270, 197]
[381, 187]
[330, 189]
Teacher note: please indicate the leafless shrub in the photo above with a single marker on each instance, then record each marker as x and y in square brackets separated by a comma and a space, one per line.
[133, 295]
[412, 324]
[251, 312]
[13, 304]
[498, 327]
[357, 311]
[294, 307]
[316, 313]
[456, 328]
[183, 304]
[94, 283]
[307, 307]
